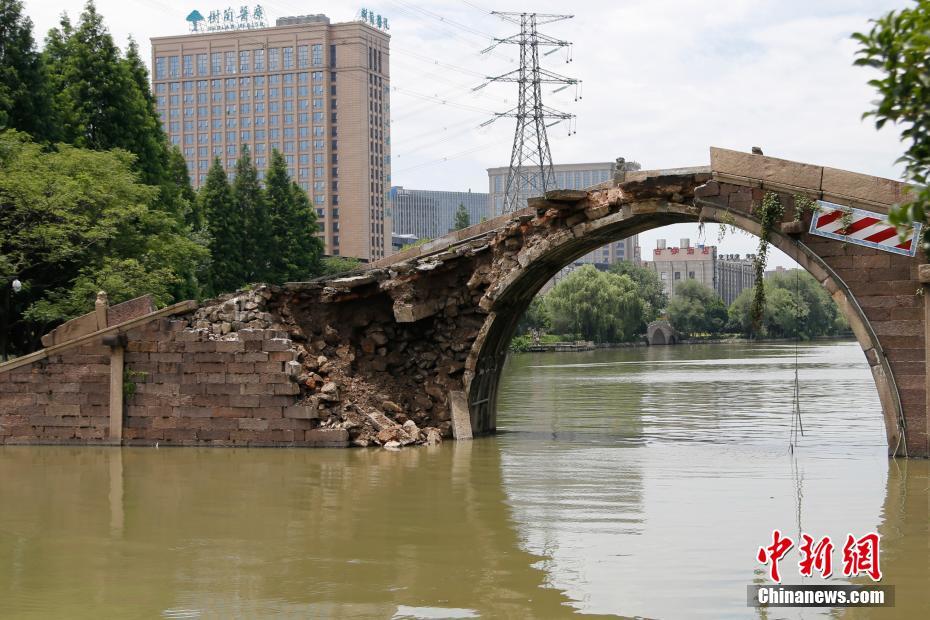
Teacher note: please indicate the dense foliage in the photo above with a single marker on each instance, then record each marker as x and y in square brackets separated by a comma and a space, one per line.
[796, 305]
[92, 196]
[74, 221]
[23, 102]
[259, 234]
[898, 46]
[696, 309]
[648, 286]
[596, 305]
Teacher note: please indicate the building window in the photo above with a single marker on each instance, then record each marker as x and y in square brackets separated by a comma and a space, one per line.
[288, 57]
[260, 60]
[316, 53]
[201, 64]
[160, 68]
[273, 58]
[332, 56]
[244, 64]
[230, 62]
[303, 59]
[678, 275]
[691, 275]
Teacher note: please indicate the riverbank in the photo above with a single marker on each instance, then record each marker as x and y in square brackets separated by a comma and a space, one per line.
[577, 346]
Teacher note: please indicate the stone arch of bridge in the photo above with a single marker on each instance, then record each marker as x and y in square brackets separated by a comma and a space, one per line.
[520, 286]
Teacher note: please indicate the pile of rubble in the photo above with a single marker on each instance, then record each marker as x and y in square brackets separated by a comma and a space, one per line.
[324, 366]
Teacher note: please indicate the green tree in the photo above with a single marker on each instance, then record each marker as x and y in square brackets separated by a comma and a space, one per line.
[101, 100]
[144, 135]
[73, 221]
[696, 309]
[177, 194]
[598, 306]
[820, 310]
[23, 92]
[898, 47]
[462, 219]
[225, 226]
[297, 249]
[796, 305]
[536, 316]
[249, 202]
[649, 286]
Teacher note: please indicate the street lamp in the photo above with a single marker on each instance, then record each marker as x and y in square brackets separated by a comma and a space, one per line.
[15, 287]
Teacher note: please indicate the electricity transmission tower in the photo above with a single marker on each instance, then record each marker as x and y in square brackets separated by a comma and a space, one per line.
[530, 172]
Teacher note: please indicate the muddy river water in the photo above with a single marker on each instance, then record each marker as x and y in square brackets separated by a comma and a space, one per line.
[630, 482]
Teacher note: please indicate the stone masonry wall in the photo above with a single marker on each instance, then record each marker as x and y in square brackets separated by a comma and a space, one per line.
[62, 399]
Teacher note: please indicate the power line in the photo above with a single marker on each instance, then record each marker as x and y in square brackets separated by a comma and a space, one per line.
[530, 171]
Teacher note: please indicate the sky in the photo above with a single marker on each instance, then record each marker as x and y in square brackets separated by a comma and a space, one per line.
[662, 81]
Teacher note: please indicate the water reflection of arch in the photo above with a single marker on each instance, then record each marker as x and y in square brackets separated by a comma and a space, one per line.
[905, 542]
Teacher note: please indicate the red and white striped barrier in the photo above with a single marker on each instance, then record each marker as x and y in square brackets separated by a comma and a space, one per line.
[862, 228]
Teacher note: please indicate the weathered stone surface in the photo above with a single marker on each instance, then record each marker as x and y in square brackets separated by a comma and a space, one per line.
[412, 349]
[862, 187]
[461, 417]
[765, 169]
[923, 274]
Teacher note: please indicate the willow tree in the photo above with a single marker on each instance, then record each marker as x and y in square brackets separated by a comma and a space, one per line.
[598, 306]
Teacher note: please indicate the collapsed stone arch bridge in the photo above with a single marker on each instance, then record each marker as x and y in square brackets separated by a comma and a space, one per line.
[413, 346]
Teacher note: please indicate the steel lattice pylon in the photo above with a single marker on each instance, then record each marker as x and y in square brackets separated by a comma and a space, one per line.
[531, 172]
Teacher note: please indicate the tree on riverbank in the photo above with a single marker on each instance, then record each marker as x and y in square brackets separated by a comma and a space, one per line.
[796, 305]
[696, 309]
[595, 305]
[648, 286]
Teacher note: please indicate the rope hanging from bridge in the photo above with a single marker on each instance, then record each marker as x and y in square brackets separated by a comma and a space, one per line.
[797, 426]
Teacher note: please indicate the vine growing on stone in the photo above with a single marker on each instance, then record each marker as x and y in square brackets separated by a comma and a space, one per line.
[769, 213]
[802, 205]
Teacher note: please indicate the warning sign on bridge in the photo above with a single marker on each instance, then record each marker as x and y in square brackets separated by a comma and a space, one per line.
[862, 228]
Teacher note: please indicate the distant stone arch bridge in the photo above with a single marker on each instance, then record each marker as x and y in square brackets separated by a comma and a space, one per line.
[422, 336]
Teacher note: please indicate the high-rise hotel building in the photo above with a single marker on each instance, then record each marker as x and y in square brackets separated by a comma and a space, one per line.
[317, 92]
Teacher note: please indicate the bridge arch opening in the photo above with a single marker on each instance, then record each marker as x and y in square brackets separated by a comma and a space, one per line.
[522, 284]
